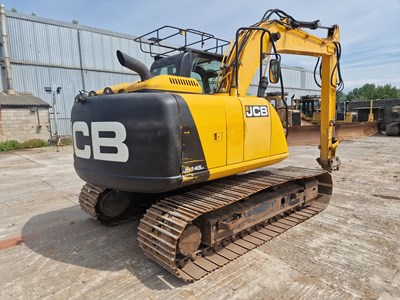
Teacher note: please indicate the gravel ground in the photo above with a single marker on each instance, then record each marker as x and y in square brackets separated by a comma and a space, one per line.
[49, 249]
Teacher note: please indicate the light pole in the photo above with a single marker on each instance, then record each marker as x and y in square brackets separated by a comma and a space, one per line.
[57, 91]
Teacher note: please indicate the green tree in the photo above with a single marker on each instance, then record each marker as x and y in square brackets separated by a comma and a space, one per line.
[340, 96]
[353, 95]
[370, 91]
[14, 9]
[386, 91]
[75, 22]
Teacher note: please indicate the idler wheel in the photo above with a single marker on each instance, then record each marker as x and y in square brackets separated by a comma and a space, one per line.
[113, 203]
[189, 241]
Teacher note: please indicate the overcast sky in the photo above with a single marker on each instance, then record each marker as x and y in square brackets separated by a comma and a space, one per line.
[370, 29]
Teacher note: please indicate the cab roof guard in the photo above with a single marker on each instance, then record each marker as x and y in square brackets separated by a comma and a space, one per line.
[168, 39]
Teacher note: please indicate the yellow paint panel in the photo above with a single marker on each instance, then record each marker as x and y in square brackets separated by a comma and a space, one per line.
[246, 166]
[166, 83]
[257, 128]
[225, 132]
[209, 116]
[235, 133]
[278, 139]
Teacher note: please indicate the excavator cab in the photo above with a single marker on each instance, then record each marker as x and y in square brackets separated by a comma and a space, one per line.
[310, 107]
[201, 64]
[204, 67]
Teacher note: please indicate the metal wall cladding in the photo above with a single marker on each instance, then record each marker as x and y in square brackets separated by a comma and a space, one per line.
[51, 53]
[297, 78]
[3, 85]
[42, 43]
[99, 51]
[35, 78]
[95, 80]
[56, 44]
[296, 81]
[68, 79]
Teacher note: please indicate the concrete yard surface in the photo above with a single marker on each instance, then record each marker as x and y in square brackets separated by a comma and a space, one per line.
[50, 249]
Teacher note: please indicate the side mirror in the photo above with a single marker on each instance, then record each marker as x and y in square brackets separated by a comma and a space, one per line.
[274, 70]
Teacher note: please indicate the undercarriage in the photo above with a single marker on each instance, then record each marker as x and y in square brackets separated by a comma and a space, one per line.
[198, 230]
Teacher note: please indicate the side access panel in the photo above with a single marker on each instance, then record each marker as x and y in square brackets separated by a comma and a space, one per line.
[208, 112]
[257, 127]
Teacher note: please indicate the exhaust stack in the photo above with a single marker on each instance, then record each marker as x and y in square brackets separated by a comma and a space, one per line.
[134, 65]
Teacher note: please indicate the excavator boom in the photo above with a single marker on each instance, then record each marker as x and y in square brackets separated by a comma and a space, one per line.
[273, 37]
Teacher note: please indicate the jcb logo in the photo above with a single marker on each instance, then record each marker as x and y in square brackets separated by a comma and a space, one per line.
[120, 151]
[256, 111]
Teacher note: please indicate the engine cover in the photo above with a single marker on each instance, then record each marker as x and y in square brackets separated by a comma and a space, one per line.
[132, 142]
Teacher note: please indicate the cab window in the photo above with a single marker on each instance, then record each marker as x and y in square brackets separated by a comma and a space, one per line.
[165, 70]
[198, 78]
[205, 70]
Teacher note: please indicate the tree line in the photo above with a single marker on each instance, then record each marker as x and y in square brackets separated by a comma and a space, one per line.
[370, 91]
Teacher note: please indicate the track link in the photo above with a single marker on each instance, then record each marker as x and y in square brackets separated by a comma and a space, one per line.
[164, 223]
[91, 195]
[88, 198]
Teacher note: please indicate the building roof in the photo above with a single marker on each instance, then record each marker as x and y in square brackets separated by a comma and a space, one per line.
[21, 100]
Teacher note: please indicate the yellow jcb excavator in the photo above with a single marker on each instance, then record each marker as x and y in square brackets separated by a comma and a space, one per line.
[183, 143]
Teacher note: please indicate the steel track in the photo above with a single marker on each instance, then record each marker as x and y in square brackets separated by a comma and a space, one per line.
[164, 222]
[88, 199]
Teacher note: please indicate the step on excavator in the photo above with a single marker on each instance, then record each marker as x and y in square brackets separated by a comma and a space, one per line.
[183, 146]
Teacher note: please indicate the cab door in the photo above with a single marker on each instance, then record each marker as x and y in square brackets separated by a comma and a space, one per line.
[257, 128]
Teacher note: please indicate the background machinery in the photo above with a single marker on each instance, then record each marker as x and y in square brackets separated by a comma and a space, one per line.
[174, 143]
[393, 125]
[309, 106]
[347, 123]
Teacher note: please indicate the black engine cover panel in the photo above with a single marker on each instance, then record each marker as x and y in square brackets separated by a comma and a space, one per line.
[128, 142]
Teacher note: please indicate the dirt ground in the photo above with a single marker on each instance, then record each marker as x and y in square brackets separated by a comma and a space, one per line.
[49, 248]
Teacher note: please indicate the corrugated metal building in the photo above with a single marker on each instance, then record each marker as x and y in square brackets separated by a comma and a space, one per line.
[297, 81]
[46, 52]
